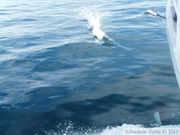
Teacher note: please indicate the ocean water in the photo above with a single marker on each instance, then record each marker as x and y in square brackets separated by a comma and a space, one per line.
[84, 67]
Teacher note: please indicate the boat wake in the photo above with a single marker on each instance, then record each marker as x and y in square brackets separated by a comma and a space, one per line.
[125, 129]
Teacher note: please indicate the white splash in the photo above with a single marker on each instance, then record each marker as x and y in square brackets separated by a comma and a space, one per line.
[94, 21]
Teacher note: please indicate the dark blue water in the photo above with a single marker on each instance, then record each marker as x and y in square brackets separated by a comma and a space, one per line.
[57, 78]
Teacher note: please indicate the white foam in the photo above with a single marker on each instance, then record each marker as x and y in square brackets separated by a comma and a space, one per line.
[125, 129]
